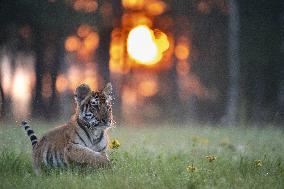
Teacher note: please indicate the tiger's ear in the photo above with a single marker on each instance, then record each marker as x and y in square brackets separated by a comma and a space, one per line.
[82, 92]
[107, 90]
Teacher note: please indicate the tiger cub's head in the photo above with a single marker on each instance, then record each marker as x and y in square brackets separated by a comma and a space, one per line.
[94, 108]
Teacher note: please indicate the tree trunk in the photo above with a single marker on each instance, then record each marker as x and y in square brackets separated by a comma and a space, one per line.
[103, 52]
[39, 68]
[231, 116]
[1, 100]
[53, 104]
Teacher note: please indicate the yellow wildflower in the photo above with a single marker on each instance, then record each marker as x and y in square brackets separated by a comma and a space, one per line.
[201, 140]
[211, 158]
[258, 163]
[114, 144]
[191, 168]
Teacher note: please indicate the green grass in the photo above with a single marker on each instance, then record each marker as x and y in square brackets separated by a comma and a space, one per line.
[157, 157]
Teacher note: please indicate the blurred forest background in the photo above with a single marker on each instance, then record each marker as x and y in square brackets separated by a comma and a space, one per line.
[206, 61]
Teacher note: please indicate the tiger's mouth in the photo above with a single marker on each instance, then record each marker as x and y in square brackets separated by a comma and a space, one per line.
[94, 123]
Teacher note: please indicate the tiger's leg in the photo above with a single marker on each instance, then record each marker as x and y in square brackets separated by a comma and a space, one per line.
[36, 164]
[36, 167]
[80, 154]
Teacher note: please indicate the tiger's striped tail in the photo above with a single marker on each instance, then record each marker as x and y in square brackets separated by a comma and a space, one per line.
[30, 132]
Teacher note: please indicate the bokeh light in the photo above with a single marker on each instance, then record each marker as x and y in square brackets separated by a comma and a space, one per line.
[148, 88]
[84, 30]
[155, 8]
[133, 4]
[91, 42]
[72, 43]
[61, 83]
[182, 51]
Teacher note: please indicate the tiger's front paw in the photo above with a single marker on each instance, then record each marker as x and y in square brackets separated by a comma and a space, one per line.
[104, 162]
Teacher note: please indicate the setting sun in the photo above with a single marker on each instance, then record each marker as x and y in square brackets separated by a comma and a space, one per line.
[143, 47]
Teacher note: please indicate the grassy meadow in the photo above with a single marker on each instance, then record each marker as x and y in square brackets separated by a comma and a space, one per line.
[158, 157]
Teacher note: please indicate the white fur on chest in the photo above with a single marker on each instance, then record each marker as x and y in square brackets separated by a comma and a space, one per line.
[95, 140]
[102, 144]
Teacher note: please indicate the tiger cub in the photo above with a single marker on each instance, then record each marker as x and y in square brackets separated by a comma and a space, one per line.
[83, 140]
